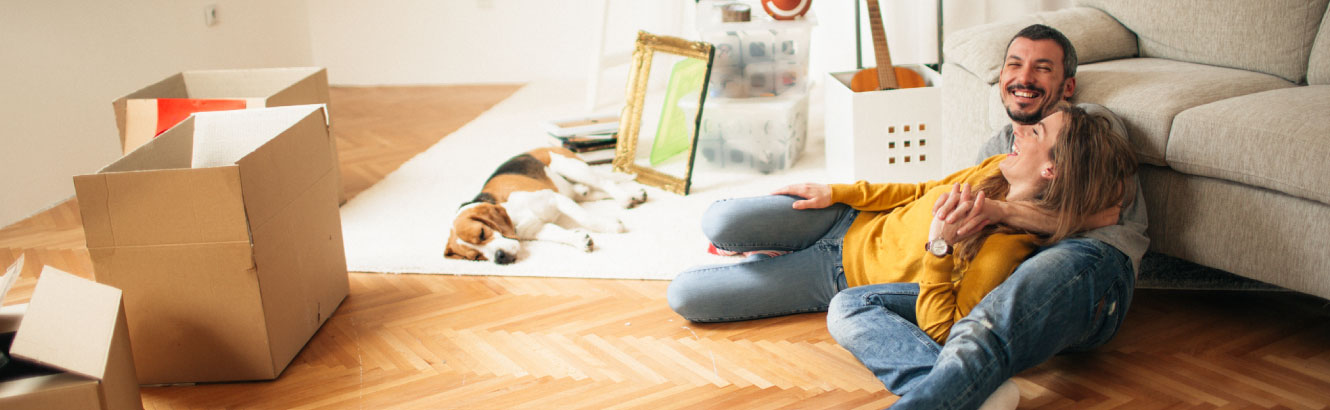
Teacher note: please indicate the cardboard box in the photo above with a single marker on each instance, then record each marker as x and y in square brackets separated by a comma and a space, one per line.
[146, 113]
[884, 136]
[70, 348]
[225, 236]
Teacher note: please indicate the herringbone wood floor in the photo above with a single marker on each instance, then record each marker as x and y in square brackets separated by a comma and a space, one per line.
[437, 341]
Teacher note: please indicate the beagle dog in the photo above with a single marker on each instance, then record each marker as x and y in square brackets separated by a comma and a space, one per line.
[524, 198]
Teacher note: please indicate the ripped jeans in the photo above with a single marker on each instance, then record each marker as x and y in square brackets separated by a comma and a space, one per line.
[1067, 297]
[802, 281]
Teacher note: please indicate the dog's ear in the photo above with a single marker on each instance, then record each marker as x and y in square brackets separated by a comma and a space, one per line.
[497, 218]
[454, 250]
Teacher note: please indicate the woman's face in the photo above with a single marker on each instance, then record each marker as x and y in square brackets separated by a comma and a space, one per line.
[1028, 167]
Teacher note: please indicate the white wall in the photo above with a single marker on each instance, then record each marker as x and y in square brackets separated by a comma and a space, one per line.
[64, 61]
[473, 41]
[496, 41]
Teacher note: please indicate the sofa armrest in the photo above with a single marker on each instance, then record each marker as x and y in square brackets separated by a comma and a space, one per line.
[1096, 36]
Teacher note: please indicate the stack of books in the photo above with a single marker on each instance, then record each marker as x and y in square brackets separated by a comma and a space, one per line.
[591, 137]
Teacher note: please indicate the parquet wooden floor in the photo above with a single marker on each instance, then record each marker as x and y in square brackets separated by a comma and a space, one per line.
[437, 341]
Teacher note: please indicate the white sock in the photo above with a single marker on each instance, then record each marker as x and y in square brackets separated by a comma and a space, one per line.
[1006, 397]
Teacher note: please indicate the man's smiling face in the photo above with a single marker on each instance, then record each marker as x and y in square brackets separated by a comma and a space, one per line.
[1033, 79]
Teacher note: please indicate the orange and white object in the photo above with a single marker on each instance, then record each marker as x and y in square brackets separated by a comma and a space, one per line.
[786, 9]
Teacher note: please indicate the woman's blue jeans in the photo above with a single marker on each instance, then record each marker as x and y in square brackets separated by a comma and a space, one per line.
[802, 281]
[1070, 296]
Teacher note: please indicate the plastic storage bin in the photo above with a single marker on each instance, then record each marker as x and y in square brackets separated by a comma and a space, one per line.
[756, 111]
[762, 134]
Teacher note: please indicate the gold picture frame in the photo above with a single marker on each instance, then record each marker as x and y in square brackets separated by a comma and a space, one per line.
[642, 92]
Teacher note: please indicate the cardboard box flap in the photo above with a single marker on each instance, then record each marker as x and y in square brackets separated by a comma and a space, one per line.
[287, 166]
[70, 324]
[126, 208]
[171, 150]
[52, 391]
[244, 83]
[313, 89]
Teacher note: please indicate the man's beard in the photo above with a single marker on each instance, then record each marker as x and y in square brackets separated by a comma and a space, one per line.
[1032, 117]
[1025, 119]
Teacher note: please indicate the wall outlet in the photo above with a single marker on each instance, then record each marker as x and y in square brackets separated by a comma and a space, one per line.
[210, 15]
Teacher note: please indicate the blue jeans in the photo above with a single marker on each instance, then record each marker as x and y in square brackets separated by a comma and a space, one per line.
[1070, 296]
[802, 281]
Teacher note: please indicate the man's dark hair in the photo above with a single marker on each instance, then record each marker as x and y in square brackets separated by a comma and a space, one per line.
[1042, 32]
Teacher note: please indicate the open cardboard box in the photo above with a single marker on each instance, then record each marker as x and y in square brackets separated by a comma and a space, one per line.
[886, 135]
[70, 347]
[224, 235]
[146, 113]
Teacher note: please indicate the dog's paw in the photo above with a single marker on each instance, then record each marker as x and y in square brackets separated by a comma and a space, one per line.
[582, 191]
[612, 225]
[585, 242]
[634, 198]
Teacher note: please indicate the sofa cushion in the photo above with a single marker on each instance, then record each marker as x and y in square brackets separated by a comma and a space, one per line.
[1095, 35]
[1318, 66]
[1269, 36]
[1148, 92]
[1275, 139]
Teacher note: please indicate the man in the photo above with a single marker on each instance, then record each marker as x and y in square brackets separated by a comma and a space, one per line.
[1069, 296]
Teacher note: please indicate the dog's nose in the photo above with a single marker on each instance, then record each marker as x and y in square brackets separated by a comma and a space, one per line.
[504, 258]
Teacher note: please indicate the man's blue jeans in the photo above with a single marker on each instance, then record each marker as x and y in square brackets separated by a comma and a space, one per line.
[1070, 296]
[802, 281]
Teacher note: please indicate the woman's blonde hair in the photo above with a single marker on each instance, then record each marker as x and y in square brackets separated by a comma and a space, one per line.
[1092, 166]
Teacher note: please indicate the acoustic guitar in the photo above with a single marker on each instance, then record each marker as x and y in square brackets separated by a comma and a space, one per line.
[874, 79]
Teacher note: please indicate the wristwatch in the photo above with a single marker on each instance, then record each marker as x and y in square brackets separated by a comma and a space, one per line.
[938, 247]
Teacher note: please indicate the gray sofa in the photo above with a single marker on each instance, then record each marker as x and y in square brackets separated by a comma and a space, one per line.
[1227, 103]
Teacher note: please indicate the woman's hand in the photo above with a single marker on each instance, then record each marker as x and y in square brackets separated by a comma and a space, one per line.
[986, 212]
[815, 196]
[953, 210]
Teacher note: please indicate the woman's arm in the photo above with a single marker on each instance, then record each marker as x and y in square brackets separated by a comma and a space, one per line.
[942, 301]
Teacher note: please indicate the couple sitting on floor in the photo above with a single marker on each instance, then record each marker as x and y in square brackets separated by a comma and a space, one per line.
[946, 289]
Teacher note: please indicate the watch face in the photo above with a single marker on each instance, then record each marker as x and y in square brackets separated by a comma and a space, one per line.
[938, 247]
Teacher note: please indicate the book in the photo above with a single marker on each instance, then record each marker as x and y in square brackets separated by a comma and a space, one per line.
[583, 125]
[583, 143]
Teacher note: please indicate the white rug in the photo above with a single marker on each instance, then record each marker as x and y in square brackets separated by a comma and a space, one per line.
[400, 224]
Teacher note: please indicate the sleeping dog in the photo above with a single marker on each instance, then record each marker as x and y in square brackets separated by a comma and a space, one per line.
[524, 198]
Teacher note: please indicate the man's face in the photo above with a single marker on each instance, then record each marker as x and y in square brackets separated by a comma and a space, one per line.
[1032, 79]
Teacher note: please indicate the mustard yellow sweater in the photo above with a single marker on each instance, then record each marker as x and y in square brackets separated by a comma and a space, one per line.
[885, 244]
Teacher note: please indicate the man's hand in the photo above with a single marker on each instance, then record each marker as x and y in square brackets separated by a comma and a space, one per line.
[815, 196]
[1025, 215]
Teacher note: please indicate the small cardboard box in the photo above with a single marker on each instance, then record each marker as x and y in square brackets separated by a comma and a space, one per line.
[70, 348]
[150, 111]
[225, 236]
[884, 136]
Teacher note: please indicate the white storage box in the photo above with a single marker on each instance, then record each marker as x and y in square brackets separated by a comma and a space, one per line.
[884, 136]
[761, 134]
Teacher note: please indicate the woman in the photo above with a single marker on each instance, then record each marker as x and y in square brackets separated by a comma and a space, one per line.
[844, 236]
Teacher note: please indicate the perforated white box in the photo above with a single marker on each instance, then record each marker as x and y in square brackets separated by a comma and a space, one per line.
[884, 136]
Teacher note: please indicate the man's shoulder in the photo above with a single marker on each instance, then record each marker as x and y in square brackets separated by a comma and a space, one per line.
[999, 143]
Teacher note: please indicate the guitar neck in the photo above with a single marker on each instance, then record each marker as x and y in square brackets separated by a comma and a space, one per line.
[886, 72]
